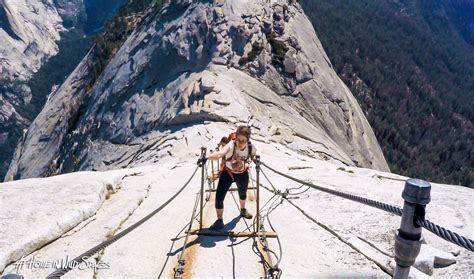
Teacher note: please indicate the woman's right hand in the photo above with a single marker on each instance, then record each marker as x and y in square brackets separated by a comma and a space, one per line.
[202, 161]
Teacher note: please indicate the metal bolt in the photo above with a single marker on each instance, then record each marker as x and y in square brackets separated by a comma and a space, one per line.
[12, 276]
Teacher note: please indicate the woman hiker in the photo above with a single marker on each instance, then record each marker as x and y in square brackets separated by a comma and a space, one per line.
[237, 155]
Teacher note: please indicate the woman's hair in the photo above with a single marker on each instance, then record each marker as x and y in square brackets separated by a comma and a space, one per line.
[244, 131]
[224, 141]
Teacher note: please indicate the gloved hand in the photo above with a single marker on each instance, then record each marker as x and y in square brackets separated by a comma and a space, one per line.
[202, 161]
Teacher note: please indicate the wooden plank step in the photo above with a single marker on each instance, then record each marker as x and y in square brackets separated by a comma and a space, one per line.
[208, 232]
[234, 189]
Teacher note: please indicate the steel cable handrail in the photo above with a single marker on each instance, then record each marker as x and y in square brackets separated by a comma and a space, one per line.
[439, 231]
[84, 256]
[179, 271]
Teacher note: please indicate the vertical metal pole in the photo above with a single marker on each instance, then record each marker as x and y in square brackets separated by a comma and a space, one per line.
[203, 155]
[257, 168]
[407, 242]
[212, 174]
[219, 162]
[218, 166]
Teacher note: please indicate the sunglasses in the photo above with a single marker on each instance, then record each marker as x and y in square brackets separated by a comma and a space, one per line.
[241, 141]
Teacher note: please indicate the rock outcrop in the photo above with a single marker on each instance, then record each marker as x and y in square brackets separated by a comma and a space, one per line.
[201, 62]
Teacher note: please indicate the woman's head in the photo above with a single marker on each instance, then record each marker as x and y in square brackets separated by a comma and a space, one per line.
[243, 135]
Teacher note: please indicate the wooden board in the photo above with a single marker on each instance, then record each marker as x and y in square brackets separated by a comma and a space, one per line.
[208, 232]
[233, 189]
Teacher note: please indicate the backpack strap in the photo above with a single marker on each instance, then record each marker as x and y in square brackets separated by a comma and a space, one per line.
[225, 159]
[233, 151]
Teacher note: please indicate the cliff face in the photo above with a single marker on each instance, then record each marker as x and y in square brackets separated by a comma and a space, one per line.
[29, 32]
[202, 63]
[34, 35]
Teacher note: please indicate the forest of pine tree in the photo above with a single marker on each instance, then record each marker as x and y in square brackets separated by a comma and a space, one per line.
[410, 64]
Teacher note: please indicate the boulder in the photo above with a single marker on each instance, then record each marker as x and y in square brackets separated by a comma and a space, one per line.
[290, 63]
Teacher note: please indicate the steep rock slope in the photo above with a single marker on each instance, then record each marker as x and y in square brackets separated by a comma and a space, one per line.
[29, 31]
[35, 36]
[323, 236]
[28, 36]
[195, 62]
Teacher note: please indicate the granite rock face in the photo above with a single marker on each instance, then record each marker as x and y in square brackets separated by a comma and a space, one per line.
[321, 235]
[30, 32]
[188, 75]
[202, 62]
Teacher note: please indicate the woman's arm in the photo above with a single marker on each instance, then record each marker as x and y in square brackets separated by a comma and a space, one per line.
[218, 154]
[254, 153]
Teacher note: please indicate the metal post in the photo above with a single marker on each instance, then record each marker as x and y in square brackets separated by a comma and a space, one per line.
[212, 174]
[203, 155]
[407, 242]
[257, 168]
[219, 162]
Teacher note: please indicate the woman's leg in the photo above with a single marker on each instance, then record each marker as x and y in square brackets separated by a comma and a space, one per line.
[222, 187]
[242, 181]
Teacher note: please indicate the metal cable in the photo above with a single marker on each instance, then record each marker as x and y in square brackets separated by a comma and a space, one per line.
[386, 207]
[84, 256]
[299, 193]
[253, 186]
[272, 269]
[444, 233]
[448, 235]
[266, 265]
[176, 238]
[209, 183]
[280, 247]
[238, 208]
[179, 271]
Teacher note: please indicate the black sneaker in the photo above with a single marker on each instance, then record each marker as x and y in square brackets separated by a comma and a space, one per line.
[244, 213]
[218, 224]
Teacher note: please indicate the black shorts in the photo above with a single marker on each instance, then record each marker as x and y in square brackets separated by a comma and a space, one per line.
[225, 181]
